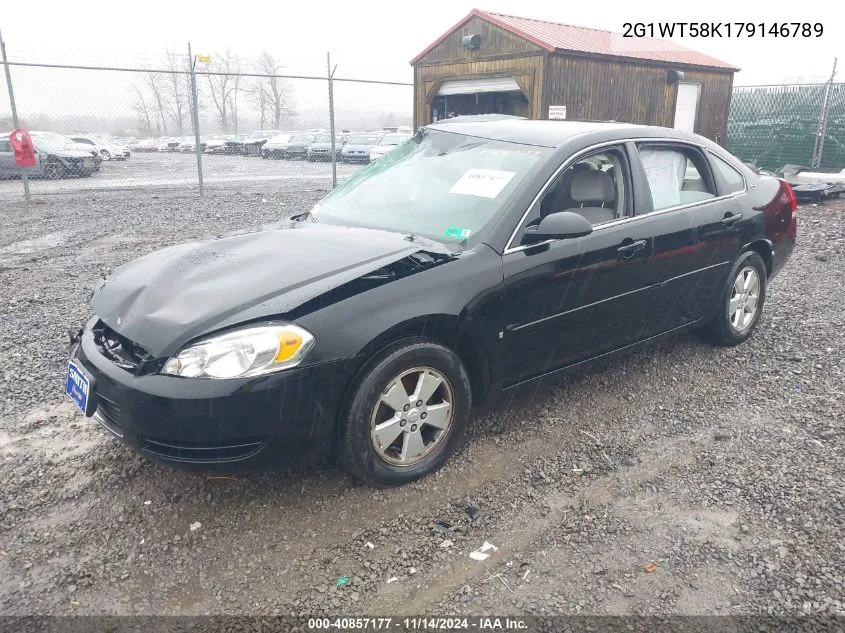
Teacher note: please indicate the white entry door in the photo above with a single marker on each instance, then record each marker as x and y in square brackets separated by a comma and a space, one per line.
[686, 106]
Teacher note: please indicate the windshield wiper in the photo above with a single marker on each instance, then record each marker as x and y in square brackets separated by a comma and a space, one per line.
[301, 217]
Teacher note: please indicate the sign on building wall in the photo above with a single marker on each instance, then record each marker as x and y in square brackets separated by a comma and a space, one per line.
[557, 113]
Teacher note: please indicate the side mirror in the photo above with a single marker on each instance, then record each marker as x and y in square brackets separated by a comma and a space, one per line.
[558, 226]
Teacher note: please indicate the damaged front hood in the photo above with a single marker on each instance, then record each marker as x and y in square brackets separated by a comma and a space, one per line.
[169, 297]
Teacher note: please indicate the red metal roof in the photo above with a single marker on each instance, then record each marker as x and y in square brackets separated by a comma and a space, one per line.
[554, 36]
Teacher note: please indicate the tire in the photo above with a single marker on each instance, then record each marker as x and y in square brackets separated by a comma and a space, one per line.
[358, 450]
[730, 327]
[105, 154]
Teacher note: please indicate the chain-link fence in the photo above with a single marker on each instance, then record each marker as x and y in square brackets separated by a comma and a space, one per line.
[773, 126]
[110, 127]
[101, 128]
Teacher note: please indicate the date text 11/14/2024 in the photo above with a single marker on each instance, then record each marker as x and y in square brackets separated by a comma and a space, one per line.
[420, 623]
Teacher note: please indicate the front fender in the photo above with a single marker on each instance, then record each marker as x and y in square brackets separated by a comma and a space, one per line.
[460, 292]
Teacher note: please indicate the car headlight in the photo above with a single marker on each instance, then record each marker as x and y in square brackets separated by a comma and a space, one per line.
[243, 353]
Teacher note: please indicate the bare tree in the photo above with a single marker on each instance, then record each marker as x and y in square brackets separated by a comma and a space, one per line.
[260, 97]
[234, 100]
[142, 110]
[275, 91]
[155, 82]
[223, 84]
[176, 90]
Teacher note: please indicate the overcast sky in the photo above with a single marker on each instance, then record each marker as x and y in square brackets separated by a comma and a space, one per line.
[376, 38]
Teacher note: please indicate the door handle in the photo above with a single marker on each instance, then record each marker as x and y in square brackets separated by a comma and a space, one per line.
[628, 250]
[730, 220]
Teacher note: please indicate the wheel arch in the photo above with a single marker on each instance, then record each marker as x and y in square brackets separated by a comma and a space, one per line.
[443, 329]
[765, 250]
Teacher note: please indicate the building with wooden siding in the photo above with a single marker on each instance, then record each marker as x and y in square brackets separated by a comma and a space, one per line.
[495, 63]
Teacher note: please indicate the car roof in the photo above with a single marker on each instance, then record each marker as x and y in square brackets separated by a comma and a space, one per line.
[550, 133]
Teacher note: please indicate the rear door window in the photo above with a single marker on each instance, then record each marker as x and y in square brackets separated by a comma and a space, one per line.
[677, 176]
[732, 180]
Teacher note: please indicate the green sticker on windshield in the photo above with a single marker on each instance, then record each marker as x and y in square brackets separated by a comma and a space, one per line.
[460, 234]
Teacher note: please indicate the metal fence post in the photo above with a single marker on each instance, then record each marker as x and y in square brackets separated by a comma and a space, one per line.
[330, 72]
[818, 149]
[195, 117]
[15, 122]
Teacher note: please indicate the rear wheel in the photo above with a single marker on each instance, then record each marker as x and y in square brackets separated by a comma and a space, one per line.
[407, 415]
[741, 304]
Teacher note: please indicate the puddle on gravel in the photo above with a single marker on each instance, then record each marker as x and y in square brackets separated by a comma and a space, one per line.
[35, 244]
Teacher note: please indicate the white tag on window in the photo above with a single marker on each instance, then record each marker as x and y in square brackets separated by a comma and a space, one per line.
[484, 183]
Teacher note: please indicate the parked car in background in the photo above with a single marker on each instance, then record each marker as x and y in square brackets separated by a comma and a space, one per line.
[188, 145]
[56, 156]
[144, 145]
[212, 144]
[107, 150]
[298, 145]
[234, 146]
[357, 148]
[8, 167]
[55, 140]
[321, 148]
[168, 145]
[230, 146]
[253, 143]
[387, 143]
[275, 147]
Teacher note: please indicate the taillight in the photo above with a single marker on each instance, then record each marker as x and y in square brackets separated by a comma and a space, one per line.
[780, 212]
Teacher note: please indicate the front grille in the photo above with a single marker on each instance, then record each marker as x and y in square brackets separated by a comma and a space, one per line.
[200, 453]
[121, 351]
[108, 414]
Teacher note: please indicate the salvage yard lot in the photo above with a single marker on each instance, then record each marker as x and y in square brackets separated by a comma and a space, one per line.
[174, 170]
[722, 467]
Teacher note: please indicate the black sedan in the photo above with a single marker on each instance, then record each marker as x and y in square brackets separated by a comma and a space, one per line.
[476, 257]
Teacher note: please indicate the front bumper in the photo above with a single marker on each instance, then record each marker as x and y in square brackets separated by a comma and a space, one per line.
[355, 157]
[278, 420]
[81, 166]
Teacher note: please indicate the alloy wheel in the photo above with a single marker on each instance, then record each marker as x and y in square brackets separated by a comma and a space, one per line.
[745, 299]
[412, 416]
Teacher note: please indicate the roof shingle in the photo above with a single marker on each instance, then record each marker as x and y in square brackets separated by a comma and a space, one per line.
[554, 36]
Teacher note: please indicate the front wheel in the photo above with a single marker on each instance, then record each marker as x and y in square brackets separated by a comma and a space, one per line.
[105, 154]
[741, 304]
[407, 415]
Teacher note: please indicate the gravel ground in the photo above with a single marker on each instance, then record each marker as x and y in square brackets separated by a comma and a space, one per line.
[683, 480]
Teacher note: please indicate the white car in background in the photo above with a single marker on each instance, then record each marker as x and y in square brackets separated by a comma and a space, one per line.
[107, 150]
[387, 143]
[213, 144]
[276, 145]
[145, 145]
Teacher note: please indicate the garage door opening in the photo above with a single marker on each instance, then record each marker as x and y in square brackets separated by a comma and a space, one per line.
[500, 95]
